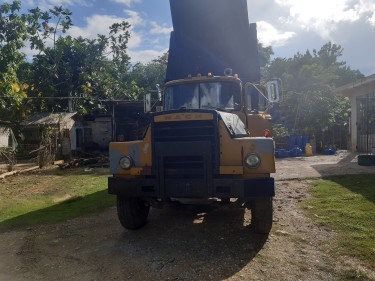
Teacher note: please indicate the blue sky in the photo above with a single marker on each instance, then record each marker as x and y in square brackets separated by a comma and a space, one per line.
[289, 26]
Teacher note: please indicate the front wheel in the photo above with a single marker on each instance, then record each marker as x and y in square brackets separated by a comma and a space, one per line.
[261, 215]
[132, 212]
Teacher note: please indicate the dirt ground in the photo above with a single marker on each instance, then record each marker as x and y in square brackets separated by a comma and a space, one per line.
[188, 243]
[17, 167]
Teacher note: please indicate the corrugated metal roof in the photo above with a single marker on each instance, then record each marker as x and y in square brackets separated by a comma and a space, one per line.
[49, 118]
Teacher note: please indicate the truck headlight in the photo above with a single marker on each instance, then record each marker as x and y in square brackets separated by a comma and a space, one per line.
[126, 162]
[252, 160]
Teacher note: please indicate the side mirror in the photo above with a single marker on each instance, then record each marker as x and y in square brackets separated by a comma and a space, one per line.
[273, 91]
[159, 91]
[147, 103]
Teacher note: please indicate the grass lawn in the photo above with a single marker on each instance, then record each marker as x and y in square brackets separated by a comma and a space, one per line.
[52, 195]
[346, 204]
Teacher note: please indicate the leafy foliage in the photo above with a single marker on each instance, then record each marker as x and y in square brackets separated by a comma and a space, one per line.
[67, 73]
[309, 104]
[13, 33]
[79, 71]
[279, 131]
[265, 54]
[150, 74]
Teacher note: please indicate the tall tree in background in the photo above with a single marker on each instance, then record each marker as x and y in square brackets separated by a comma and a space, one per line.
[308, 104]
[265, 54]
[79, 72]
[13, 33]
[146, 76]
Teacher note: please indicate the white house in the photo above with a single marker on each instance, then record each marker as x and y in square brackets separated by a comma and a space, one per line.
[362, 121]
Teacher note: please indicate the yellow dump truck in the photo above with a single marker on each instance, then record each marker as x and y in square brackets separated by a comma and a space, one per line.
[207, 142]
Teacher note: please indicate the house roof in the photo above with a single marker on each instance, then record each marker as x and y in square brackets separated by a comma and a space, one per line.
[358, 88]
[49, 118]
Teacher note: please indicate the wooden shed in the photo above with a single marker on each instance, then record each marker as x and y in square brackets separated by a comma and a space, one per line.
[66, 127]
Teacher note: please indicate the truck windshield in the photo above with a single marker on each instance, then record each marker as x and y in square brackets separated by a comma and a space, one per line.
[215, 95]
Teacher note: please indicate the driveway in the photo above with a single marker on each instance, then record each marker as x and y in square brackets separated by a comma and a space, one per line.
[342, 163]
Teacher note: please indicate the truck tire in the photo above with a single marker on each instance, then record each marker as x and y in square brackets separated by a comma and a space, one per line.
[132, 212]
[261, 215]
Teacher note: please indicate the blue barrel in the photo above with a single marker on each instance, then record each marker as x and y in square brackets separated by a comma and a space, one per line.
[296, 152]
[282, 153]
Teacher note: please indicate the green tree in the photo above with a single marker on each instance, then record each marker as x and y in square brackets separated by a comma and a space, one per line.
[78, 72]
[265, 54]
[146, 76]
[13, 33]
[308, 104]
[15, 30]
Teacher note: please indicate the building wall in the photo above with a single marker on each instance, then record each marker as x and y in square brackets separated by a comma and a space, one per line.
[366, 122]
[356, 91]
[67, 139]
[101, 132]
[4, 137]
[353, 124]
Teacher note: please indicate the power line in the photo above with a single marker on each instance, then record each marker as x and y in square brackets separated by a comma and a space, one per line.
[58, 98]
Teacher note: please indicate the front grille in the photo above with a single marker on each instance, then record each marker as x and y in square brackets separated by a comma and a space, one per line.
[190, 148]
[184, 131]
[184, 167]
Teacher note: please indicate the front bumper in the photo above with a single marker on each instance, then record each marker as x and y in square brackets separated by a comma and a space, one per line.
[192, 188]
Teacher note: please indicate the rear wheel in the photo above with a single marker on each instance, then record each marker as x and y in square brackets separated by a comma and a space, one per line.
[132, 212]
[261, 215]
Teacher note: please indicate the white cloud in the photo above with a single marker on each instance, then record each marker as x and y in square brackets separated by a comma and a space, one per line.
[372, 20]
[30, 3]
[144, 56]
[29, 52]
[96, 24]
[143, 43]
[322, 16]
[99, 24]
[368, 7]
[134, 18]
[158, 29]
[48, 4]
[270, 36]
[127, 2]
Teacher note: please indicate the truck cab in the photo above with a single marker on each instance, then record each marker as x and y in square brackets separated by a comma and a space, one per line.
[207, 142]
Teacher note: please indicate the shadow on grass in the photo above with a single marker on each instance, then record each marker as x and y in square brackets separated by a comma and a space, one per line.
[56, 171]
[363, 184]
[67, 209]
[346, 204]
